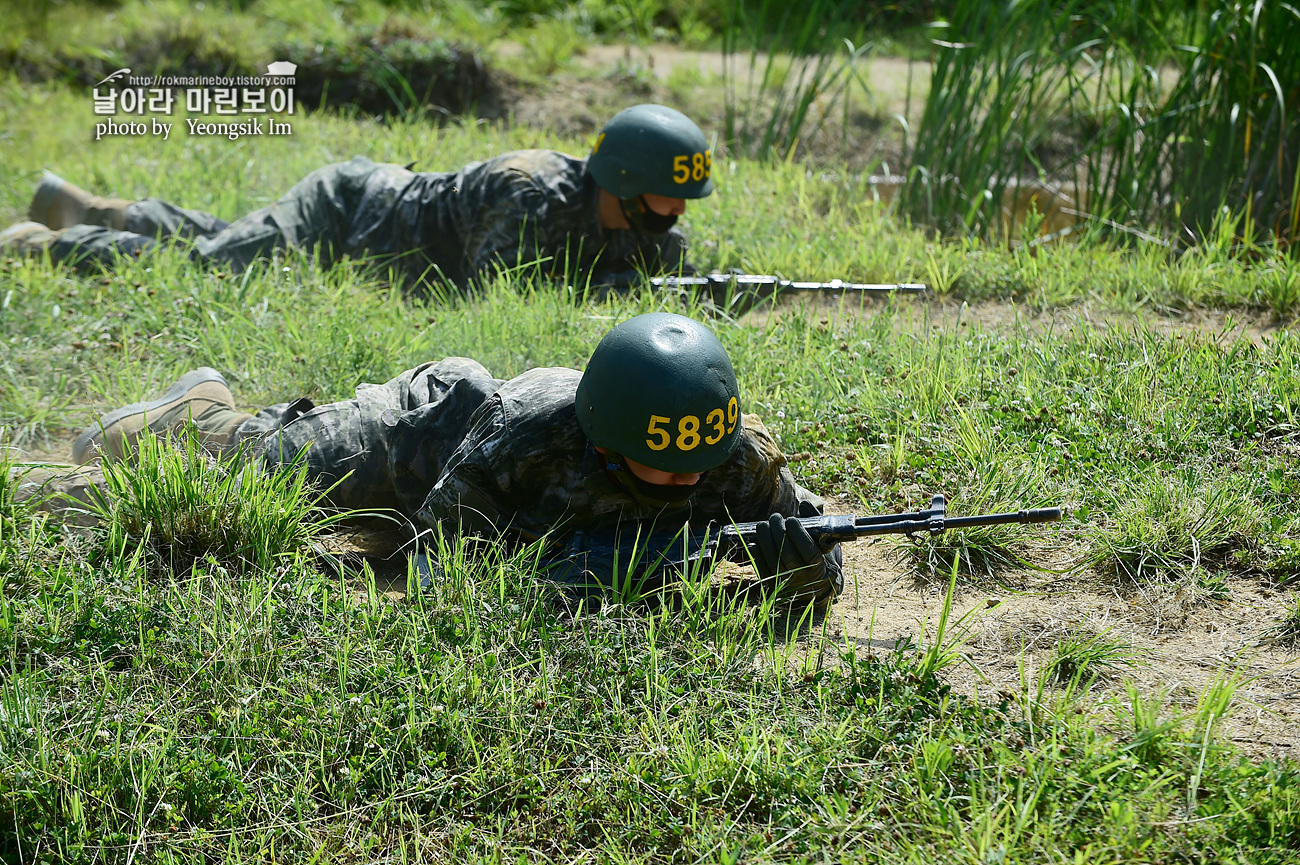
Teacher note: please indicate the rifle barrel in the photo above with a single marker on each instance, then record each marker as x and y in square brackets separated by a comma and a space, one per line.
[866, 287]
[843, 528]
[921, 522]
[1032, 515]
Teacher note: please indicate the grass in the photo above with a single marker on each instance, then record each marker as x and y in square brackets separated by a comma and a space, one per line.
[1154, 120]
[1224, 137]
[1287, 631]
[209, 717]
[1167, 527]
[999, 73]
[1177, 121]
[1081, 657]
[221, 697]
[993, 418]
[837, 231]
[187, 507]
[773, 101]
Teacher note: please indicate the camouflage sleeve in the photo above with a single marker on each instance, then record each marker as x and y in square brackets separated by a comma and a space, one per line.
[467, 495]
[506, 233]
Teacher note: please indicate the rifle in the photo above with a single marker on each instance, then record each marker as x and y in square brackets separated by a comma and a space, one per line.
[660, 556]
[726, 288]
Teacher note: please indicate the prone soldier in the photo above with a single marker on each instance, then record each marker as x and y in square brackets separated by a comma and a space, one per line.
[650, 435]
[604, 219]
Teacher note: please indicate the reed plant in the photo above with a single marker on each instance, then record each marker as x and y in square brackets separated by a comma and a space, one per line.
[1225, 139]
[775, 100]
[1182, 124]
[1003, 75]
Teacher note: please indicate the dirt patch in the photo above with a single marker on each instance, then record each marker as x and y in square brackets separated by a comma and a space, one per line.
[1011, 636]
[577, 107]
[55, 452]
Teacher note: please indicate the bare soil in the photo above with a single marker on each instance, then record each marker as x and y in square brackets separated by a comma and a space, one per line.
[1010, 635]
[1181, 644]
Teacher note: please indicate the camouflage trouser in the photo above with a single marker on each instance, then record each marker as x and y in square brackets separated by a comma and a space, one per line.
[383, 449]
[315, 215]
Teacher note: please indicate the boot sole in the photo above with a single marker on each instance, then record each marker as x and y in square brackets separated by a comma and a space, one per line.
[83, 448]
[47, 192]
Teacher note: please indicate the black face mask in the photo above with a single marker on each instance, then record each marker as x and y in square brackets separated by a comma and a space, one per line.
[651, 495]
[644, 220]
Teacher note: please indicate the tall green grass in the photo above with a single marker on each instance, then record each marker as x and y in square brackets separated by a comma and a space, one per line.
[1003, 76]
[1186, 125]
[185, 506]
[774, 100]
[209, 718]
[1226, 135]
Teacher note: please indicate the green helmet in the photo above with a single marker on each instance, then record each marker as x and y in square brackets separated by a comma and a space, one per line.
[652, 149]
[659, 389]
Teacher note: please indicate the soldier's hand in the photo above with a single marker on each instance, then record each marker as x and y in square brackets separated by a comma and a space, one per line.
[788, 559]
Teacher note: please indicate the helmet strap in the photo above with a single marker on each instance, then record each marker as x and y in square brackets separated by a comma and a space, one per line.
[658, 496]
[644, 220]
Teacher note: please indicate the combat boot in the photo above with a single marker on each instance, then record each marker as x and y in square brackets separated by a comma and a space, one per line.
[59, 204]
[70, 493]
[26, 238]
[201, 396]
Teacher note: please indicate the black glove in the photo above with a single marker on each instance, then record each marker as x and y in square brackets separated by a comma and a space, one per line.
[788, 559]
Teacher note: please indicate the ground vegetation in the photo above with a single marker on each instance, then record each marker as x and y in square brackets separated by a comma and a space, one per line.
[200, 677]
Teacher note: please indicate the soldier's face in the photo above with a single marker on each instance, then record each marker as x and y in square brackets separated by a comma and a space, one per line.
[660, 478]
[663, 205]
[657, 477]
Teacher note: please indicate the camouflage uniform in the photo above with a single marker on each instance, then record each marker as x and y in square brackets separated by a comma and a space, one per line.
[450, 447]
[515, 209]
[445, 443]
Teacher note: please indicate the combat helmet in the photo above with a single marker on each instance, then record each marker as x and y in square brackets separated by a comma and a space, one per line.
[652, 149]
[659, 389]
